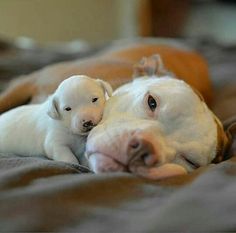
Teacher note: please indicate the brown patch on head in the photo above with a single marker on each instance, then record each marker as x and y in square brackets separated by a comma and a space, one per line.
[223, 143]
[222, 138]
[230, 129]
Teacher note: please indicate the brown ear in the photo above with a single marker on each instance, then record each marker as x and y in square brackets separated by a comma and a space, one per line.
[198, 94]
[150, 66]
[223, 142]
[230, 129]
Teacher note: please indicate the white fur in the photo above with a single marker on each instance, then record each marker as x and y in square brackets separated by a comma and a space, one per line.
[48, 129]
[181, 124]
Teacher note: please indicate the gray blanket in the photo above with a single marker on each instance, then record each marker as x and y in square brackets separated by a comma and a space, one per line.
[42, 195]
[37, 194]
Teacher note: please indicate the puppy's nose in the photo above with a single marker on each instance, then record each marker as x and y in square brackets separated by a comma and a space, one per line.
[88, 124]
[140, 150]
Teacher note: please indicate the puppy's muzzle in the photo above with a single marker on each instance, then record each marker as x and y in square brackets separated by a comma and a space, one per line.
[88, 125]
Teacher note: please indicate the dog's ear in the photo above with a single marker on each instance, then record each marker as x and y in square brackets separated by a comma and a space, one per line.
[223, 138]
[230, 130]
[198, 93]
[53, 109]
[150, 66]
[106, 87]
[223, 142]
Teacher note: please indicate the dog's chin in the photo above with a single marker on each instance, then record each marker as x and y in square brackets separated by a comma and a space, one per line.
[81, 132]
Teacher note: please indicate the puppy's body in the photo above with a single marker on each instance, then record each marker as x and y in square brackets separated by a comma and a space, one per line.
[58, 127]
[38, 134]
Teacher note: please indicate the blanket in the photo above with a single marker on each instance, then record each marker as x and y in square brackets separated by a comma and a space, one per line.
[42, 195]
[37, 194]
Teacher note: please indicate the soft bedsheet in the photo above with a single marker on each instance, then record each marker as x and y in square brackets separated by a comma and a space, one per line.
[37, 194]
[41, 195]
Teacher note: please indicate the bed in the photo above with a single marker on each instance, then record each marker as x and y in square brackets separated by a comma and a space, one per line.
[37, 194]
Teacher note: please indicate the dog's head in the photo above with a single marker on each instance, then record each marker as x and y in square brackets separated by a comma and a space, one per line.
[151, 122]
[79, 103]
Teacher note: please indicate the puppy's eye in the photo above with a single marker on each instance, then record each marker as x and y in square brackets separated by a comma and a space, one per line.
[67, 109]
[94, 99]
[152, 103]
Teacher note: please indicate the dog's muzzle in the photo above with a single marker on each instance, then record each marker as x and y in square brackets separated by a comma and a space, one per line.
[115, 151]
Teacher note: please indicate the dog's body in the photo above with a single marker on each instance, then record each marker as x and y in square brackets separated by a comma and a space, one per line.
[154, 127]
[114, 66]
[58, 127]
[177, 134]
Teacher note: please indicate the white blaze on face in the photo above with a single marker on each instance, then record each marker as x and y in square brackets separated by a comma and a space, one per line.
[180, 124]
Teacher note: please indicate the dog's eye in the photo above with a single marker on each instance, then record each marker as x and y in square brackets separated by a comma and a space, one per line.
[68, 109]
[94, 99]
[152, 103]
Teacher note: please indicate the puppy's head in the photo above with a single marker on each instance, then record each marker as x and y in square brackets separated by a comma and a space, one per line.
[79, 102]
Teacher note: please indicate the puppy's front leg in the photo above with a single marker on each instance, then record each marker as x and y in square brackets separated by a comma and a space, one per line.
[161, 172]
[62, 153]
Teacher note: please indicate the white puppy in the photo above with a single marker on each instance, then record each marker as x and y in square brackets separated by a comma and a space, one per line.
[58, 127]
[155, 127]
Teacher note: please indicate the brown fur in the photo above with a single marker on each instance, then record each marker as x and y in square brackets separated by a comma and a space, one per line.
[223, 143]
[223, 139]
[114, 66]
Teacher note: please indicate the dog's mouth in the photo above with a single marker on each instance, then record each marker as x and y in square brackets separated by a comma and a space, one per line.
[102, 162]
[85, 130]
[124, 152]
[89, 128]
[83, 133]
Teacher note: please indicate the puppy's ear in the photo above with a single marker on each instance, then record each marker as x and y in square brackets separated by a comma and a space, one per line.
[53, 110]
[106, 87]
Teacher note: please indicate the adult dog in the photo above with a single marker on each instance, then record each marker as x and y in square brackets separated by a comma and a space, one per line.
[156, 128]
[114, 65]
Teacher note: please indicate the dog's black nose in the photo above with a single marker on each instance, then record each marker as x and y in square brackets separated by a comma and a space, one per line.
[87, 124]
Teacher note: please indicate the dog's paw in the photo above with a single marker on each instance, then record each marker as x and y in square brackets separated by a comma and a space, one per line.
[158, 173]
